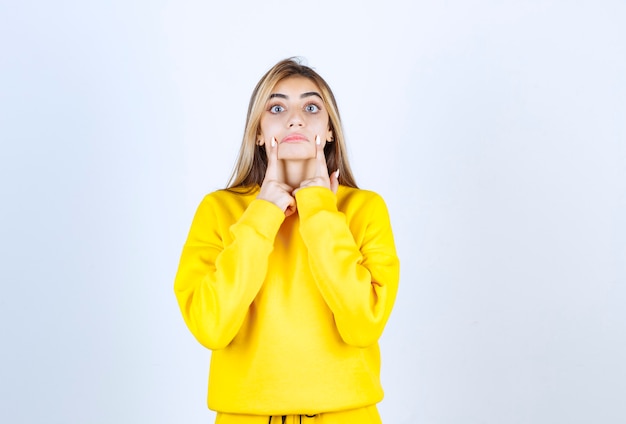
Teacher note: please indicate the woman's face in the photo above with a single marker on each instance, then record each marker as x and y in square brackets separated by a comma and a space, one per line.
[295, 114]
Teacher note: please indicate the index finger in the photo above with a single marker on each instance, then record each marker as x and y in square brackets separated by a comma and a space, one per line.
[322, 168]
[271, 173]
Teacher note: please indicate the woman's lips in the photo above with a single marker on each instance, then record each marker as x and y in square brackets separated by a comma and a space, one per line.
[293, 138]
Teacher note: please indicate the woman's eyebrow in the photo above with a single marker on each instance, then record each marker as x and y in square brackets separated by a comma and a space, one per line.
[310, 93]
[302, 96]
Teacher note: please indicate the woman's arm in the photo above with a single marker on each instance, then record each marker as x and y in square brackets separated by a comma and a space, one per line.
[358, 280]
[222, 269]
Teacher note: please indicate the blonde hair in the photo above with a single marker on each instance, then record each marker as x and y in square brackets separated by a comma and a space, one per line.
[252, 161]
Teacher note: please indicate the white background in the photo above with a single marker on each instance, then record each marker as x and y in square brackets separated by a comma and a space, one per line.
[495, 130]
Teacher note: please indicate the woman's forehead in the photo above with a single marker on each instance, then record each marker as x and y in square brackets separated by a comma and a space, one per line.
[295, 85]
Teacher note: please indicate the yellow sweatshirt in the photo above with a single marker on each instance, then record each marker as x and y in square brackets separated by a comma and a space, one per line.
[292, 308]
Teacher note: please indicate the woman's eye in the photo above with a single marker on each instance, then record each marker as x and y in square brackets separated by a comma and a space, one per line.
[312, 108]
[276, 109]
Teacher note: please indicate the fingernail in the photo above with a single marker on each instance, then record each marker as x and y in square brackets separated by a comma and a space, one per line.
[273, 141]
[337, 173]
[317, 140]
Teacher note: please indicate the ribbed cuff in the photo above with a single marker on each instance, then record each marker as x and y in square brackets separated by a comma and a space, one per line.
[311, 200]
[265, 217]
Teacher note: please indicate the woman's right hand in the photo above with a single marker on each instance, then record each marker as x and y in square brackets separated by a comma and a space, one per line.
[272, 189]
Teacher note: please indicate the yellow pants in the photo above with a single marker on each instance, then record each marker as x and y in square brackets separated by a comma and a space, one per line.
[366, 415]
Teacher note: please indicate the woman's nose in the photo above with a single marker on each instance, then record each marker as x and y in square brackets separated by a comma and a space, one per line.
[295, 119]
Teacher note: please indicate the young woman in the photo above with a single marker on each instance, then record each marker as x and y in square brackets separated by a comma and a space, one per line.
[289, 275]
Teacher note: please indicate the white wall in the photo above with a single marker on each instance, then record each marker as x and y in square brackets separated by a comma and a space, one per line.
[496, 131]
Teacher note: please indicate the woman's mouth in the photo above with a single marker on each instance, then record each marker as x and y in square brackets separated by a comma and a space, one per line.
[294, 138]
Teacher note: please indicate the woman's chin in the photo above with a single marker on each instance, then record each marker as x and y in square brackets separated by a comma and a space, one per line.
[294, 151]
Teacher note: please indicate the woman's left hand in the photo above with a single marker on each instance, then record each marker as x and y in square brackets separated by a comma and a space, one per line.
[321, 178]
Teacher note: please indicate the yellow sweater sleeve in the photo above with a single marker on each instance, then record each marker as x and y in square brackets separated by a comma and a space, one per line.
[357, 275]
[222, 267]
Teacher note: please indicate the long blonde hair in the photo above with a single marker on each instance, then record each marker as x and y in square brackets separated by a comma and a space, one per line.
[252, 161]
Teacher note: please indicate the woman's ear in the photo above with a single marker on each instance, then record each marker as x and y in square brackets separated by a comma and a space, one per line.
[260, 139]
[329, 136]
